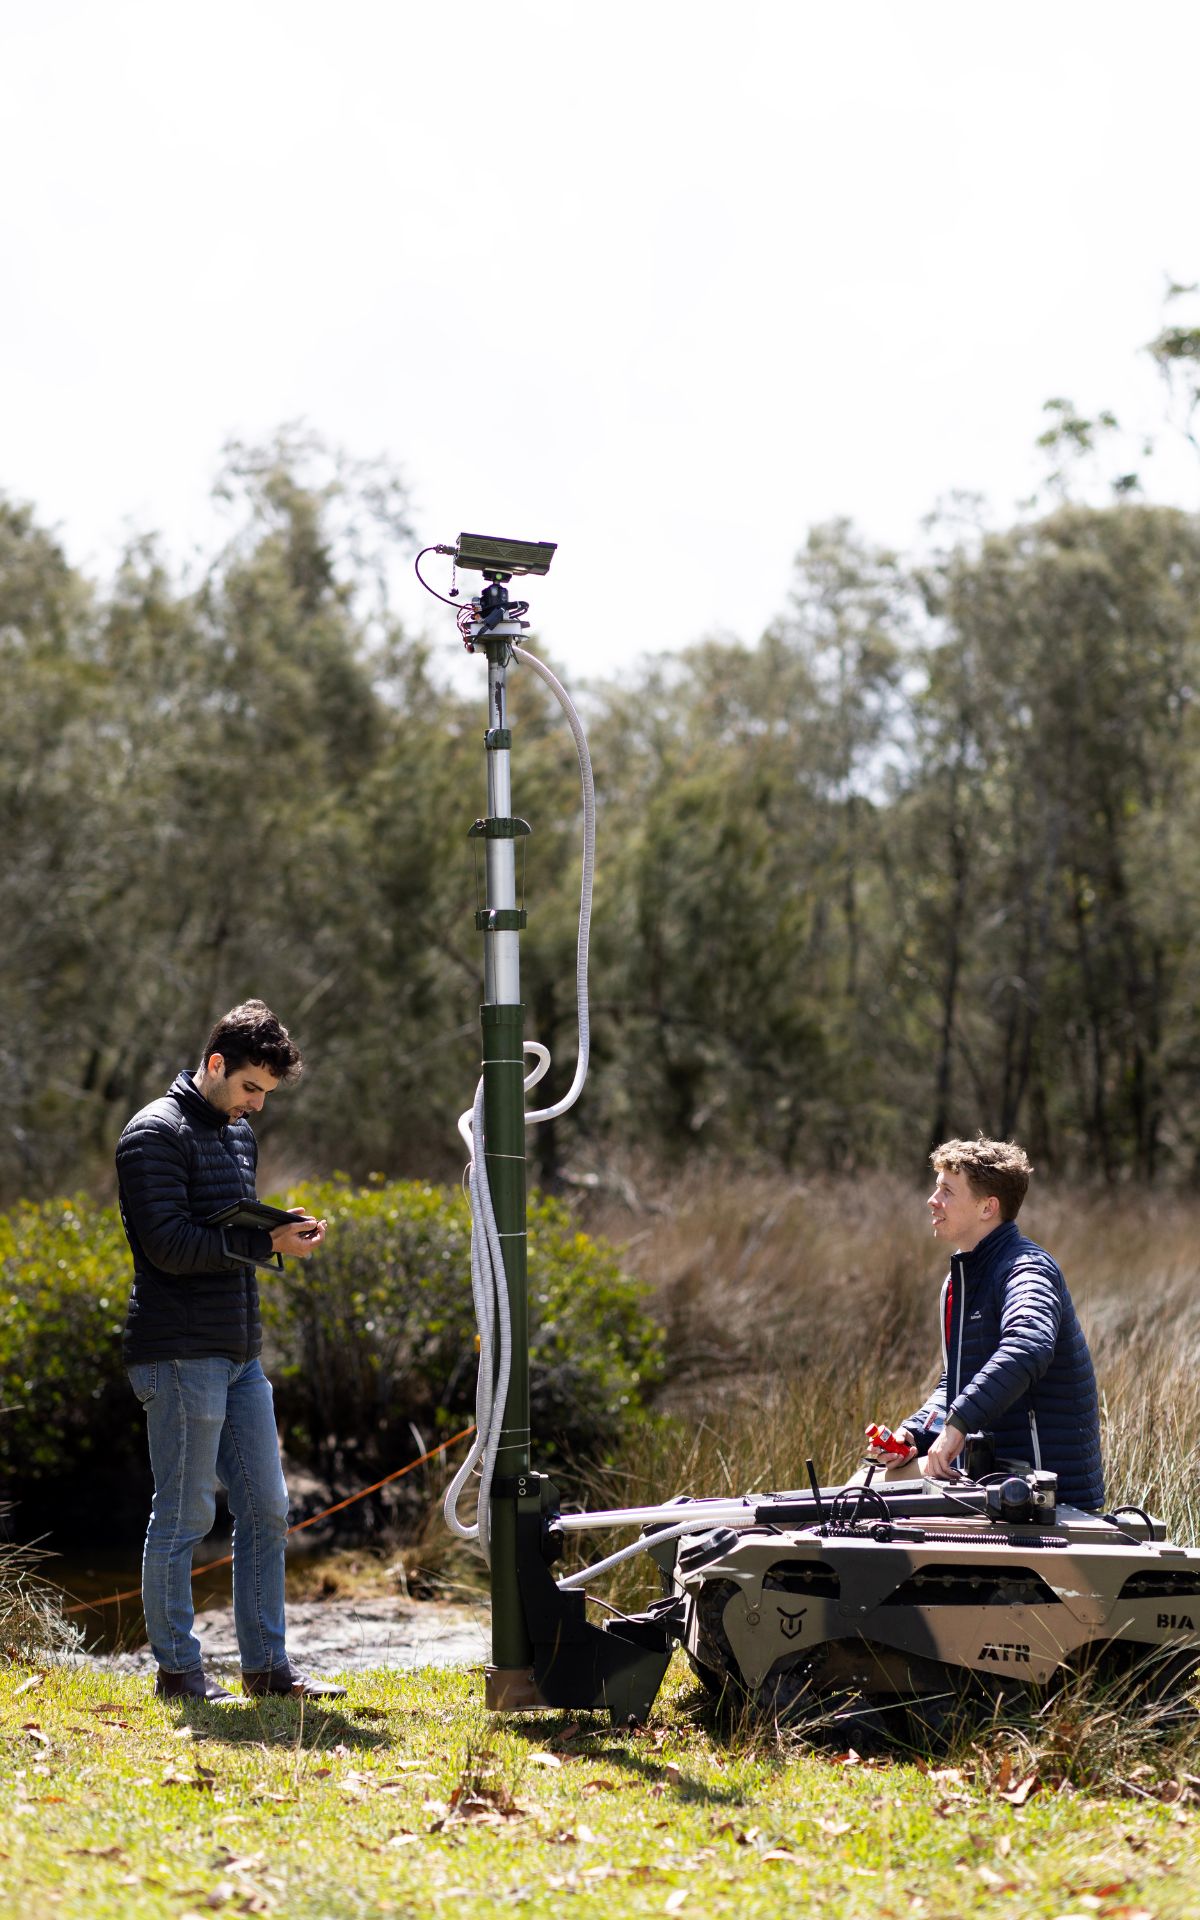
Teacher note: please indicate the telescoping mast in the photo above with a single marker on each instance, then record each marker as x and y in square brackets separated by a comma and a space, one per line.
[545, 1652]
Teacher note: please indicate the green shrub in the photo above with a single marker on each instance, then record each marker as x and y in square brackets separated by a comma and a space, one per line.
[375, 1334]
[370, 1343]
[64, 1284]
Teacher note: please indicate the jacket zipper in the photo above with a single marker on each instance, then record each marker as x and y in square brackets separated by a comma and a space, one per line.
[960, 1293]
[1033, 1434]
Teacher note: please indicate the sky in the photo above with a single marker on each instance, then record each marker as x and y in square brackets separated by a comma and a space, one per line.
[665, 281]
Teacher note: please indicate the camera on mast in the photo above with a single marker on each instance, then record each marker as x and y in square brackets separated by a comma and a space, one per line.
[501, 559]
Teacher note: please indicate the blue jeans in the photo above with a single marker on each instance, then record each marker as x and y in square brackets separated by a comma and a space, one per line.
[212, 1420]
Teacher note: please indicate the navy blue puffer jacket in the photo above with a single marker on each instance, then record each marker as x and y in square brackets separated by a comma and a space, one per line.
[178, 1160]
[1016, 1364]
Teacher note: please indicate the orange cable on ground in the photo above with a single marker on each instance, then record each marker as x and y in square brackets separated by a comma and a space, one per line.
[135, 1593]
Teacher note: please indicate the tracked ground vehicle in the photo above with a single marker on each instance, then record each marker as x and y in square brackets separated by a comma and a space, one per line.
[893, 1594]
[913, 1592]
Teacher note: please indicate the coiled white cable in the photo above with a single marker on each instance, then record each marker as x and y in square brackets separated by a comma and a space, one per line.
[490, 1292]
[585, 890]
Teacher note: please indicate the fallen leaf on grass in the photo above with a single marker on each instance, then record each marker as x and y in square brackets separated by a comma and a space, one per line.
[394, 1786]
[675, 1900]
[545, 1760]
[354, 1784]
[202, 1779]
[1019, 1793]
[673, 1774]
[785, 1855]
[402, 1839]
[1172, 1790]
[745, 1836]
[113, 1852]
[996, 1881]
[33, 1729]
[27, 1686]
[218, 1896]
[834, 1827]
[599, 1786]
[240, 1863]
[479, 1803]
[1004, 1845]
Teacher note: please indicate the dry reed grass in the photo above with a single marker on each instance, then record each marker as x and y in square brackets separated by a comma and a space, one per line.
[798, 1309]
[32, 1624]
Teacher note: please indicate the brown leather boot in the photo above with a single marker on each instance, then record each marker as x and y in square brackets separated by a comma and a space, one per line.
[289, 1680]
[193, 1685]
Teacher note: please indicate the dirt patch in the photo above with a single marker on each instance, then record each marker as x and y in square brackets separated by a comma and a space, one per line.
[344, 1635]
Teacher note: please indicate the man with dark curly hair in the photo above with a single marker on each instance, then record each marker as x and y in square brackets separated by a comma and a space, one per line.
[1015, 1363]
[192, 1341]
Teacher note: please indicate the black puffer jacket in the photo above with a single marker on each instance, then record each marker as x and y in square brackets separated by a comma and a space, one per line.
[1016, 1364]
[178, 1160]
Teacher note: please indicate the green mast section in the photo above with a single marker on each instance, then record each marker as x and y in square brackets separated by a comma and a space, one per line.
[510, 1677]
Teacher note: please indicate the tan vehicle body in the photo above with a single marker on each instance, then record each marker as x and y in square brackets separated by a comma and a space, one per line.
[904, 1601]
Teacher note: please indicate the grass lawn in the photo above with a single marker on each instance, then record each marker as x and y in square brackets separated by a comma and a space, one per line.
[410, 1800]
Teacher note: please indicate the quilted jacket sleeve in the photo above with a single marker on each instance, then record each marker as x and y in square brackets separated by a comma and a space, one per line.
[1030, 1315]
[930, 1417]
[152, 1169]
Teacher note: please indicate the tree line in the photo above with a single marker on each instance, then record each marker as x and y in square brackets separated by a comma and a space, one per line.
[924, 858]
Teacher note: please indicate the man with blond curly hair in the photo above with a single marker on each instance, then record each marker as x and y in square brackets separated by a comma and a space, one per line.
[1015, 1363]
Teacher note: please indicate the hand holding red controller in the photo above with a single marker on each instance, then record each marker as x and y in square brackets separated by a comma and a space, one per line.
[881, 1440]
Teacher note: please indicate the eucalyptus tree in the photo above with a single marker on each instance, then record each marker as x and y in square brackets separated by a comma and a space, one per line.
[1058, 738]
[748, 893]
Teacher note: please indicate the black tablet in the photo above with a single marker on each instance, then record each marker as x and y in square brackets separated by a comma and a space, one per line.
[250, 1213]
